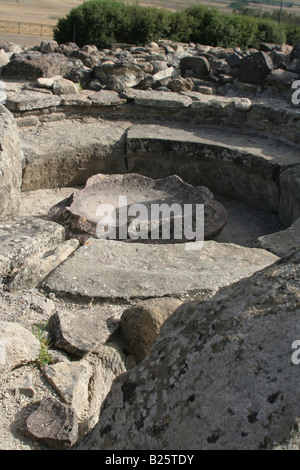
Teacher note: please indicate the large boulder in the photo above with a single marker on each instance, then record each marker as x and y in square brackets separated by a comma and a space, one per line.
[255, 67]
[220, 375]
[30, 66]
[11, 162]
[129, 74]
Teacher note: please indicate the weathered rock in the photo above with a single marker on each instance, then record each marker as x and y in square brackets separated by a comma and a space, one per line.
[254, 68]
[71, 380]
[160, 99]
[106, 98]
[48, 82]
[118, 271]
[24, 239]
[80, 334]
[11, 163]
[129, 74]
[289, 206]
[30, 66]
[198, 65]
[53, 423]
[295, 54]
[25, 386]
[108, 362]
[80, 215]
[64, 87]
[18, 346]
[282, 78]
[66, 155]
[141, 323]
[29, 100]
[37, 269]
[180, 84]
[219, 375]
[47, 47]
[282, 243]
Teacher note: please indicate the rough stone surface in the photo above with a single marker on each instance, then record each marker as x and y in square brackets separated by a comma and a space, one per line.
[120, 271]
[141, 323]
[108, 362]
[80, 334]
[219, 375]
[130, 75]
[80, 216]
[255, 67]
[37, 269]
[71, 380]
[53, 423]
[58, 156]
[198, 65]
[28, 101]
[24, 239]
[64, 87]
[289, 207]
[11, 163]
[18, 346]
[282, 243]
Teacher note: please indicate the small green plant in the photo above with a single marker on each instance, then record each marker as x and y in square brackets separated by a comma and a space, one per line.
[39, 333]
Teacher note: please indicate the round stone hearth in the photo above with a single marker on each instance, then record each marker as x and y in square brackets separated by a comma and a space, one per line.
[137, 204]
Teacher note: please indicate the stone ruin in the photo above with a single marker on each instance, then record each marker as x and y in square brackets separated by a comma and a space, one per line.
[154, 346]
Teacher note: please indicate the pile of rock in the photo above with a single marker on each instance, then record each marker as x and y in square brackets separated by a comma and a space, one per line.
[164, 65]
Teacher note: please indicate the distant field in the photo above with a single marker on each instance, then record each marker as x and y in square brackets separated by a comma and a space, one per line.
[48, 12]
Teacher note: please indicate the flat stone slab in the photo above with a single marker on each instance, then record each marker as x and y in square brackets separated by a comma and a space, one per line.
[121, 271]
[282, 243]
[81, 214]
[24, 239]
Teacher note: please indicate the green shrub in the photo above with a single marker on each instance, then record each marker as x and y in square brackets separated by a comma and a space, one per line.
[104, 22]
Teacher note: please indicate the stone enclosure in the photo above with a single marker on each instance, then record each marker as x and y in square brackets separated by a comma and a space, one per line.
[115, 312]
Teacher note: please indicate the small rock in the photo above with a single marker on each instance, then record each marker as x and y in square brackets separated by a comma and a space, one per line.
[64, 87]
[141, 324]
[53, 423]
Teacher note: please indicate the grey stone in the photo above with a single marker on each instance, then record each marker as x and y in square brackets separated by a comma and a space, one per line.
[11, 164]
[282, 78]
[108, 362]
[198, 65]
[141, 323]
[53, 423]
[37, 269]
[130, 74]
[29, 100]
[118, 271]
[71, 380]
[219, 376]
[18, 346]
[79, 216]
[24, 239]
[30, 66]
[282, 243]
[295, 53]
[66, 155]
[106, 98]
[160, 99]
[80, 334]
[64, 87]
[254, 68]
[289, 207]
